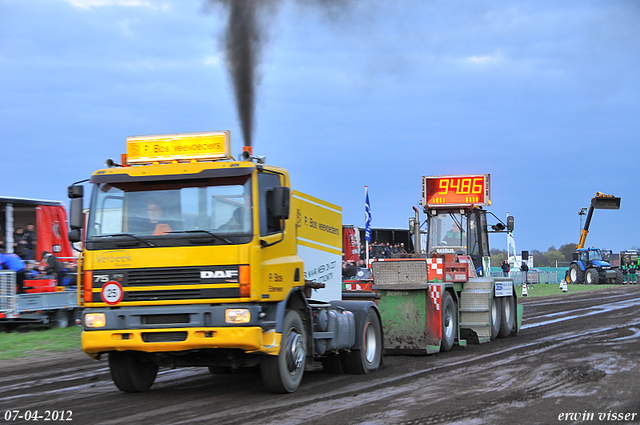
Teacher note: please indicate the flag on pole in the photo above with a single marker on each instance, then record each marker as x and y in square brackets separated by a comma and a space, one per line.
[367, 215]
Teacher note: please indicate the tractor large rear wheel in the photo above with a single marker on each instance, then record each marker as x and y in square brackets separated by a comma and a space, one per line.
[576, 274]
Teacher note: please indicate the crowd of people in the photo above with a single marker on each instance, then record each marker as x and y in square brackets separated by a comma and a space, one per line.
[376, 250]
[23, 261]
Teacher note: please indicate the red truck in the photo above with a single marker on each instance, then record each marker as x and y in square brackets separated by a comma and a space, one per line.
[46, 299]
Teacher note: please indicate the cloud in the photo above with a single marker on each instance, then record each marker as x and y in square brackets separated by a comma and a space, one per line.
[88, 4]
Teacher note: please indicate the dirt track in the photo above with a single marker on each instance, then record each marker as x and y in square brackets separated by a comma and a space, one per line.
[577, 355]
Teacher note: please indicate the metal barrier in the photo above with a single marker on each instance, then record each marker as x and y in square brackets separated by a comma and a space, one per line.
[7, 291]
[552, 277]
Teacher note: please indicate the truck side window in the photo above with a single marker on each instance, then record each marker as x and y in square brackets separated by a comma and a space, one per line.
[268, 223]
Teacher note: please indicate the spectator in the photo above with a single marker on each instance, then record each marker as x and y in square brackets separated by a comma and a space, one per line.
[19, 245]
[15, 263]
[29, 238]
[53, 266]
[505, 268]
[349, 269]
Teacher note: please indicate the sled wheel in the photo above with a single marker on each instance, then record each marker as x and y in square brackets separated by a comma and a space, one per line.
[496, 316]
[508, 316]
[449, 322]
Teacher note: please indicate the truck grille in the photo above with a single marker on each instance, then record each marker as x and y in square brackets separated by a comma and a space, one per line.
[215, 282]
[165, 319]
[164, 336]
[164, 276]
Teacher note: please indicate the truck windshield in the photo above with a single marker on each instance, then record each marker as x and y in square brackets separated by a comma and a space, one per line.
[209, 208]
[447, 230]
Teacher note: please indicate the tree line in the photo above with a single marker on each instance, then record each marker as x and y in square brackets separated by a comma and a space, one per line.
[561, 256]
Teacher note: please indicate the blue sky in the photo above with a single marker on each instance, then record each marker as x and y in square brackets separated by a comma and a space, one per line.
[543, 95]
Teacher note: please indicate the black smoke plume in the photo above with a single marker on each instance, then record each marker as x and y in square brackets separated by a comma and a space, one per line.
[243, 39]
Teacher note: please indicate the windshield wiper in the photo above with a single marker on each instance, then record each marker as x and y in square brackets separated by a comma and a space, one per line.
[125, 234]
[222, 238]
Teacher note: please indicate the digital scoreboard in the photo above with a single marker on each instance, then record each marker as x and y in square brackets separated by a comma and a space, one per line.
[463, 190]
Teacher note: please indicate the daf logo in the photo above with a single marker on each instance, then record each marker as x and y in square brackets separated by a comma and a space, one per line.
[218, 274]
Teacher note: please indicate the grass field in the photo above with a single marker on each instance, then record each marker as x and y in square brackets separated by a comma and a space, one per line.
[543, 289]
[34, 341]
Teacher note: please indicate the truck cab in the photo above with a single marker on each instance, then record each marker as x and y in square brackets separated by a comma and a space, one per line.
[191, 258]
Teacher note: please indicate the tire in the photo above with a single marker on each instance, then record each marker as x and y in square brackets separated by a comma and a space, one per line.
[496, 316]
[59, 319]
[283, 373]
[576, 275]
[591, 277]
[619, 277]
[220, 370]
[508, 318]
[449, 322]
[131, 371]
[366, 359]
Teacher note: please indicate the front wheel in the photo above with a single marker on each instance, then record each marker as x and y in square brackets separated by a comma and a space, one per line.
[366, 359]
[591, 277]
[449, 322]
[283, 373]
[132, 372]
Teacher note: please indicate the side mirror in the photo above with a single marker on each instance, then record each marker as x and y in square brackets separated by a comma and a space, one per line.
[75, 235]
[76, 191]
[76, 216]
[278, 202]
[510, 223]
[576, 256]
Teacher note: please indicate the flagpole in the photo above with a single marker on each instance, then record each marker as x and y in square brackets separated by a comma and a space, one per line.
[367, 224]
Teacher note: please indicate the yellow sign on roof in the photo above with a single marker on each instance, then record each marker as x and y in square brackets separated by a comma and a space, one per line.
[211, 145]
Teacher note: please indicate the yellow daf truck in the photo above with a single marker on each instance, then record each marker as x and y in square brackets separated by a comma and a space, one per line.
[192, 258]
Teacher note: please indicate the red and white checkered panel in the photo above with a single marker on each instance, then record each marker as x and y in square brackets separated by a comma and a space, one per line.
[434, 295]
[435, 267]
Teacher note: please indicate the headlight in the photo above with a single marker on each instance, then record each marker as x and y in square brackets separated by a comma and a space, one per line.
[95, 320]
[237, 315]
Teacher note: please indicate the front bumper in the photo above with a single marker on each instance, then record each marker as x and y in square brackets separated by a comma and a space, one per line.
[179, 329]
[249, 339]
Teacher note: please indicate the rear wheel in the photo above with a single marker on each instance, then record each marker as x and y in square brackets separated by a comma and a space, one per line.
[449, 322]
[576, 275]
[619, 277]
[59, 319]
[283, 373]
[366, 359]
[591, 277]
[496, 316]
[508, 316]
[132, 372]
